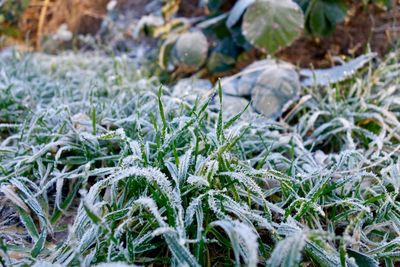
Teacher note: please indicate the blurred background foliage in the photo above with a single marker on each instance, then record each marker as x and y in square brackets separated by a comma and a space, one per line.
[10, 12]
[211, 38]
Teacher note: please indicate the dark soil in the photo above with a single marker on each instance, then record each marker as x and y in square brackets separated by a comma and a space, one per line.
[364, 26]
[190, 8]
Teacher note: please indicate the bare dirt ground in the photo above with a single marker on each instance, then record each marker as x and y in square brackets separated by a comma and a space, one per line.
[364, 26]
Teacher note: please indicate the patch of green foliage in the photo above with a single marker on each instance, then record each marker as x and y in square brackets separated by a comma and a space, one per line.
[322, 16]
[233, 34]
[106, 166]
[10, 11]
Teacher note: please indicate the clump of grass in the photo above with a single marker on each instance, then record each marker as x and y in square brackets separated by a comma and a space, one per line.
[105, 166]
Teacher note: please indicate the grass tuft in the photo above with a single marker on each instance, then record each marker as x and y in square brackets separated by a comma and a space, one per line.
[100, 164]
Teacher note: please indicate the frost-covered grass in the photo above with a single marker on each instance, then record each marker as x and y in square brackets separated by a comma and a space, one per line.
[100, 165]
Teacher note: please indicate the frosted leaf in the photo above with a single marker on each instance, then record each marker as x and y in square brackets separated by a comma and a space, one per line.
[151, 174]
[274, 89]
[197, 181]
[42, 263]
[130, 161]
[231, 106]
[135, 148]
[152, 206]
[264, 21]
[184, 163]
[120, 132]
[191, 89]
[321, 77]
[243, 178]
[81, 122]
[10, 194]
[237, 11]
[288, 251]
[243, 239]
[193, 207]
[162, 230]
[216, 207]
[190, 50]
[243, 83]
